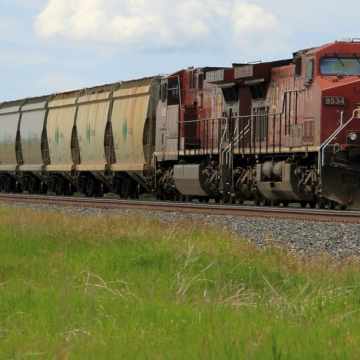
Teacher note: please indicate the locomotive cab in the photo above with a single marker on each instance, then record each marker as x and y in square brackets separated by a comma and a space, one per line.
[332, 89]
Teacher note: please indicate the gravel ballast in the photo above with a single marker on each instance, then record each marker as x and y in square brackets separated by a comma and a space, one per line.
[308, 238]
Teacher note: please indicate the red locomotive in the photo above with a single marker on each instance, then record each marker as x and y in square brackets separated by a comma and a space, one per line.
[274, 133]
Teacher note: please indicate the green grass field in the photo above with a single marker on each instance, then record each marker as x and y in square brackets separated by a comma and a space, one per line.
[121, 287]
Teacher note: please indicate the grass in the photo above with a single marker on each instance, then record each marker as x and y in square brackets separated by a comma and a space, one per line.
[129, 287]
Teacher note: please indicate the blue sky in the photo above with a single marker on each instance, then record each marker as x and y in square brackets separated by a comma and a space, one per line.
[51, 46]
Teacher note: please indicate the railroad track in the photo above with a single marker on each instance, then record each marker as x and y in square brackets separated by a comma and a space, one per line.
[191, 207]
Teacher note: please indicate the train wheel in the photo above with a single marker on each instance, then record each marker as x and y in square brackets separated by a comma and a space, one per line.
[223, 199]
[312, 204]
[330, 204]
[274, 202]
[285, 203]
[43, 188]
[303, 204]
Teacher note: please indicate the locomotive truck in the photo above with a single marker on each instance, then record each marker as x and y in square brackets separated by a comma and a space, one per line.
[269, 132]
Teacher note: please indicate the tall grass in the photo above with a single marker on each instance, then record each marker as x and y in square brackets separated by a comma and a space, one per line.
[129, 287]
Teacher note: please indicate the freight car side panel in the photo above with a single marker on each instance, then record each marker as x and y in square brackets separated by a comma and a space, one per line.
[128, 119]
[8, 129]
[91, 122]
[129, 114]
[31, 127]
[59, 128]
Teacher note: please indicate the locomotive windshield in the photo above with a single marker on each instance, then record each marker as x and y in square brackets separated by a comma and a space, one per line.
[340, 65]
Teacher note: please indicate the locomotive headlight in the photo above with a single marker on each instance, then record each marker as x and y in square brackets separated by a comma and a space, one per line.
[353, 136]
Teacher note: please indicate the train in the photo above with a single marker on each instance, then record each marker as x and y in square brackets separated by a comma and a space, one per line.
[274, 133]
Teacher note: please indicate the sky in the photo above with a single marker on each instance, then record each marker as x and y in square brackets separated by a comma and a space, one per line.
[49, 46]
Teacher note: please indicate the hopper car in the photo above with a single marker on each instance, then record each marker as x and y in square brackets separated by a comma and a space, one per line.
[268, 132]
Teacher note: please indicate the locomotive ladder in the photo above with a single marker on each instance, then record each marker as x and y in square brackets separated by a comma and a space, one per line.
[321, 156]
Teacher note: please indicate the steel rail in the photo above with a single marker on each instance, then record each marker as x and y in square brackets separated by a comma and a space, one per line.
[192, 207]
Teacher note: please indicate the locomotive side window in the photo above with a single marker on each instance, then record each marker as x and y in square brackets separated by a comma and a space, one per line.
[309, 75]
[230, 94]
[173, 92]
[256, 91]
[340, 65]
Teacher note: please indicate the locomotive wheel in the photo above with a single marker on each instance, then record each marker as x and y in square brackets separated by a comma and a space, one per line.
[18, 187]
[43, 188]
[224, 199]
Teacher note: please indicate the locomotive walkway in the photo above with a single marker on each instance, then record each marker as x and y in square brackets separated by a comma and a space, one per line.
[192, 207]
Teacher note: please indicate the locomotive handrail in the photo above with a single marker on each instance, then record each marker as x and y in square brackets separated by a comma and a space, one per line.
[336, 132]
[240, 136]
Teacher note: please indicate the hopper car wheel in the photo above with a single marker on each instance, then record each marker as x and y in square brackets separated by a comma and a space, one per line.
[274, 202]
[303, 204]
[321, 204]
[217, 200]
[60, 187]
[285, 203]
[90, 187]
[257, 201]
[330, 204]
[312, 204]
[239, 201]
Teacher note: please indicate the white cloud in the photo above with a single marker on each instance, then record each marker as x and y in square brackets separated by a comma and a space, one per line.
[57, 82]
[258, 29]
[146, 25]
